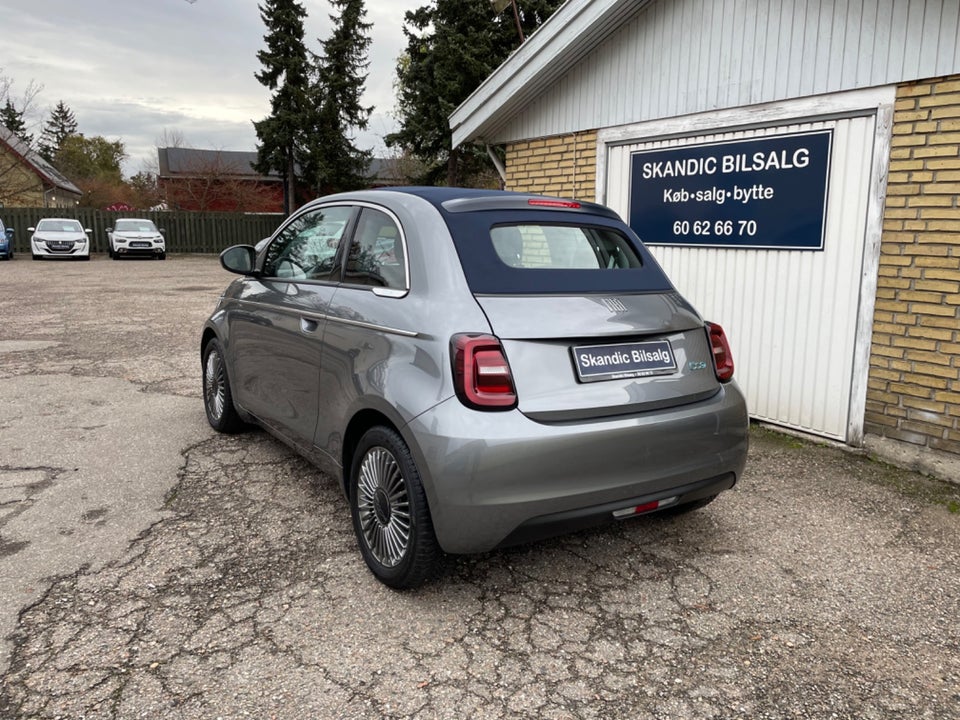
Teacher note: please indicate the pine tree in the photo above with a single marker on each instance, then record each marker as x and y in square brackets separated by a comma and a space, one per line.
[12, 120]
[61, 125]
[452, 46]
[337, 90]
[283, 133]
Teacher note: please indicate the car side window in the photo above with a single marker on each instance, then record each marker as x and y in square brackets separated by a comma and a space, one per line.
[376, 256]
[306, 248]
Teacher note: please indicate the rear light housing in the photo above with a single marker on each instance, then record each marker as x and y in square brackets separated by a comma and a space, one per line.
[720, 349]
[481, 373]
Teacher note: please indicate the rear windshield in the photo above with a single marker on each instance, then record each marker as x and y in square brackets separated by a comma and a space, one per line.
[562, 247]
[552, 253]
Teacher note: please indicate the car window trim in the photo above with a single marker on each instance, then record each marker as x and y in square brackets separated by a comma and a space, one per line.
[381, 291]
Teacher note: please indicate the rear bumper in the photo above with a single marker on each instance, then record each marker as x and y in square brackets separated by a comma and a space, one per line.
[494, 479]
[546, 526]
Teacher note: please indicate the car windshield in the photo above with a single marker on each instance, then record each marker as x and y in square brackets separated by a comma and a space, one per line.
[143, 226]
[59, 226]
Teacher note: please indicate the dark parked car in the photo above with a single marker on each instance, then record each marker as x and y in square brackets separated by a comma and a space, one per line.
[480, 368]
[6, 242]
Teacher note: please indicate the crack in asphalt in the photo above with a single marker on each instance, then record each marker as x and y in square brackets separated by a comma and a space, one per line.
[16, 497]
[252, 600]
[818, 588]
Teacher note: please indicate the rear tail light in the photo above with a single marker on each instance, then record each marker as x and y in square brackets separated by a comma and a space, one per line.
[544, 202]
[722, 357]
[481, 373]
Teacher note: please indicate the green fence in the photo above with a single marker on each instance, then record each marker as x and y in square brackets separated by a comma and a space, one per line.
[185, 232]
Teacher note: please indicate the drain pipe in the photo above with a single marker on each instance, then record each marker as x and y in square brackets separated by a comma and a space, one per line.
[501, 170]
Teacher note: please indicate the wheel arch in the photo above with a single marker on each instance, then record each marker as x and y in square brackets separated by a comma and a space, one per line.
[208, 334]
[358, 425]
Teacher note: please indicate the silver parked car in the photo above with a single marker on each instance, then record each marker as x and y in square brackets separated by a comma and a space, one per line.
[480, 368]
[134, 236]
[59, 237]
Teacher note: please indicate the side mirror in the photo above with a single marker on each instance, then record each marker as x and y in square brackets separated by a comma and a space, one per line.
[31, 229]
[108, 230]
[239, 259]
[10, 233]
[87, 231]
[162, 231]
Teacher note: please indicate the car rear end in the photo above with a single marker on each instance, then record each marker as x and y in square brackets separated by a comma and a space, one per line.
[596, 392]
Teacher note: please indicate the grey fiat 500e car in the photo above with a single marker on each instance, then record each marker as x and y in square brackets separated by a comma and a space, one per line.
[480, 368]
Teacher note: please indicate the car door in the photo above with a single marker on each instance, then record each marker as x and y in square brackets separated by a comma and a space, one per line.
[369, 329]
[277, 328]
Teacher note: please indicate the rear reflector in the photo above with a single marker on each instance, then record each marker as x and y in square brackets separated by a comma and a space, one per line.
[569, 204]
[722, 357]
[644, 508]
[481, 373]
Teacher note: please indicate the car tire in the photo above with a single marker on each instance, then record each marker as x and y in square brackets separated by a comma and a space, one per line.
[114, 255]
[390, 514]
[85, 258]
[36, 257]
[217, 396]
[162, 256]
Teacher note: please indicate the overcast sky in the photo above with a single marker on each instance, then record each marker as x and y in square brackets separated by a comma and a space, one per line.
[134, 69]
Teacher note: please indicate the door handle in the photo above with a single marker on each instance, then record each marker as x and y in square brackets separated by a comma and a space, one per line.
[308, 325]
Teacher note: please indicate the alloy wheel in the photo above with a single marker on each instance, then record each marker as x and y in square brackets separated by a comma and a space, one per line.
[383, 507]
[215, 384]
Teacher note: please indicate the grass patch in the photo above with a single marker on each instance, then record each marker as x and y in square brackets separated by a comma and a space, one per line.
[906, 483]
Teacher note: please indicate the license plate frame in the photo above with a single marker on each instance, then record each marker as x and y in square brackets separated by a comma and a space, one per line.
[619, 361]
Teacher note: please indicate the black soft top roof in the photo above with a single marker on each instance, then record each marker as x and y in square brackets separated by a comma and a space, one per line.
[470, 214]
[456, 200]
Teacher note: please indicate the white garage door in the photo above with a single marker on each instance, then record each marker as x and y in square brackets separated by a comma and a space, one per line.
[792, 316]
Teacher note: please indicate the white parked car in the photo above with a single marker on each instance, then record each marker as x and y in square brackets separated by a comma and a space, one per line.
[133, 236]
[59, 237]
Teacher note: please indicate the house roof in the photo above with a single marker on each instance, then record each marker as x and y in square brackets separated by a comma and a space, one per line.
[571, 33]
[47, 172]
[184, 162]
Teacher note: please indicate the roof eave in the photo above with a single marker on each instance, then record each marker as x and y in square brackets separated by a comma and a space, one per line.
[570, 33]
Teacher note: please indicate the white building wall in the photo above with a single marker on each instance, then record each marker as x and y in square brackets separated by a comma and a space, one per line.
[799, 322]
[678, 57]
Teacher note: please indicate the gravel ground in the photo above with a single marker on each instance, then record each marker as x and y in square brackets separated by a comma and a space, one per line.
[153, 569]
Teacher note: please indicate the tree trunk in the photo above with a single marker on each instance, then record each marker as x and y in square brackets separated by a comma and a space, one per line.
[290, 196]
[452, 169]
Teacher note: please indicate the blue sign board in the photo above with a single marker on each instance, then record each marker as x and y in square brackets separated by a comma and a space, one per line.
[765, 192]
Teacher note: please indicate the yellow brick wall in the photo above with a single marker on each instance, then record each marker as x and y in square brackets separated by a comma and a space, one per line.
[914, 384]
[562, 165]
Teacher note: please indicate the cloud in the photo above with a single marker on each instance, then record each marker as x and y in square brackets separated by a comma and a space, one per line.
[132, 70]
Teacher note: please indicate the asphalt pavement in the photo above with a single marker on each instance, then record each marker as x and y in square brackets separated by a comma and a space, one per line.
[150, 568]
